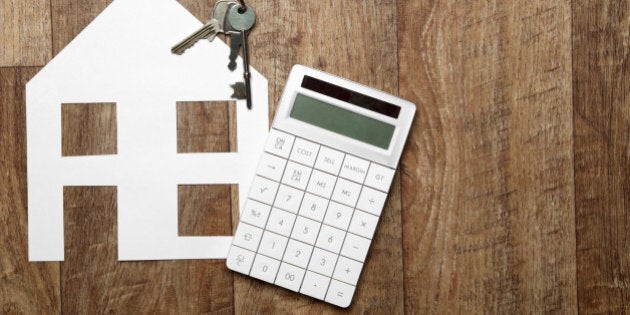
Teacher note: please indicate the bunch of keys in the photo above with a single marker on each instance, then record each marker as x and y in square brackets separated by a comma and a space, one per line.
[235, 19]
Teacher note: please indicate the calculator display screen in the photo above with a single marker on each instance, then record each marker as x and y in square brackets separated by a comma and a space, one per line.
[342, 121]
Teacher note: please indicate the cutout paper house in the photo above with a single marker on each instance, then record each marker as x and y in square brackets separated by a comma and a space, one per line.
[124, 57]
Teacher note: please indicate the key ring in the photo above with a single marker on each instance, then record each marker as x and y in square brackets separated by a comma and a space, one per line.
[243, 8]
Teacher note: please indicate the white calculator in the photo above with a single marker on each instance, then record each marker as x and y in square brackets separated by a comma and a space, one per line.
[321, 185]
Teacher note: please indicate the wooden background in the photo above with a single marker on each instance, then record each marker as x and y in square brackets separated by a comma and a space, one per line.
[513, 194]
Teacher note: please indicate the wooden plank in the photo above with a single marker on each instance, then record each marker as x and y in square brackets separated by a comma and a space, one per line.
[602, 154]
[324, 35]
[29, 288]
[203, 127]
[97, 123]
[69, 18]
[488, 201]
[26, 33]
[94, 282]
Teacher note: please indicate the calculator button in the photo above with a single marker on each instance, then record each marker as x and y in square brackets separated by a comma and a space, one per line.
[263, 190]
[273, 245]
[354, 168]
[247, 236]
[288, 198]
[280, 222]
[279, 143]
[363, 224]
[339, 293]
[323, 262]
[321, 184]
[271, 166]
[355, 247]
[305, 230]
[315, 285]
[372, 200]
[240, 260]
[338, 215]
[298, 253]
[346, 192]
[255, 213]
[347, 270]
[329, 160]
[379, 177]
[290, 277]
[296, 175]
[313, 207]
[304, 152]
[265, 268]
[330, 238]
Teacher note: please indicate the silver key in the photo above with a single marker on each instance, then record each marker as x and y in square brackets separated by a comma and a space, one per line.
[238, 24]
[208, 31]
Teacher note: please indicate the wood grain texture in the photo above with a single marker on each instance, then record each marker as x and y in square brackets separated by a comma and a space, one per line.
[94, 282]
[96, 126]
[488, 198]
[203, 127]
[513, 195]
[601, 99]
[25, 39]
[69, 18]
[29, 288]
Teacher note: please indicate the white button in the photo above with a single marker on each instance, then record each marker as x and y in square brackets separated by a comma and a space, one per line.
[330, 239]
[305, 230]
[298, 253]
[329, 160]
[321, 184]
[296, 175]
[263, 190]
[255, 213]
[323, 262]
[247, 236]
[372, 201]
[290, 277]
[313, 207]
[363, 224]
[271, 166]
[355, 247]
[339, 293]
[346, 192]
[280, 222]
[288, 198]
[315, 285]
[273, 245]
[354, 168]
[304, 152]
[347, 270]
[240, 260]
[279, 143]
[265, 268]
[338, 215]
[379, 177]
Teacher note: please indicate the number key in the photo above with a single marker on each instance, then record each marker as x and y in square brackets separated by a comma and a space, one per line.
[289, 277]
[330, 238]
[280, 222]
[265, 268]
[298, 253]
[305, 230]
[323, 262]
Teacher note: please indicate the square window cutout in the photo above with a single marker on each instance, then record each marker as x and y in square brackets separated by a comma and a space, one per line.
[206, 210]
[88, 129]
[206, 127]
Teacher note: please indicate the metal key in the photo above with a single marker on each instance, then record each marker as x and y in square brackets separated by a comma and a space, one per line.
[237, 26]
[208, 31]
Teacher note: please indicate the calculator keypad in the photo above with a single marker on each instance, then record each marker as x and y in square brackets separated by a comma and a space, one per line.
[309, 219]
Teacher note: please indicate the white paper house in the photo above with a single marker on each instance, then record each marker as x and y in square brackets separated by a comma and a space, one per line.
[124, 57]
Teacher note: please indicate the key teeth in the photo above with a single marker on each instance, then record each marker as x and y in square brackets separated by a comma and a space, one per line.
[179, 49]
